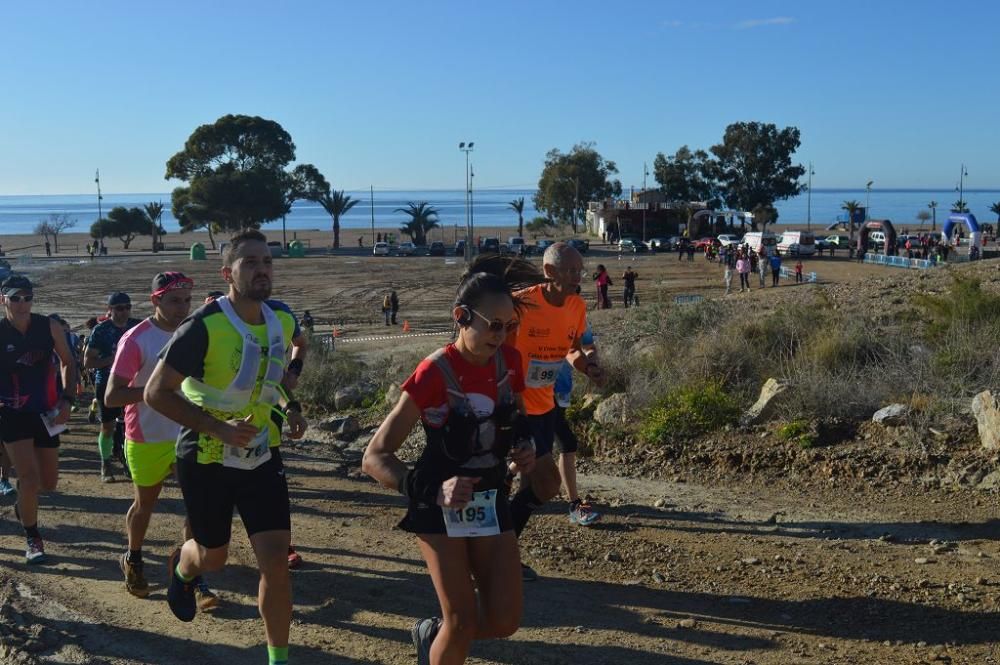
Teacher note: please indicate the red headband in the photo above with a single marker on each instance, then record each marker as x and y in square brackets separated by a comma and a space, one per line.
[177, 283]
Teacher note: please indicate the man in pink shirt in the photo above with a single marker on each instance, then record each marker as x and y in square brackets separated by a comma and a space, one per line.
[150, 438]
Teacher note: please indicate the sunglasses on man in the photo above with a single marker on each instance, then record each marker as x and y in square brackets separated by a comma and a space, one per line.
[28, 297]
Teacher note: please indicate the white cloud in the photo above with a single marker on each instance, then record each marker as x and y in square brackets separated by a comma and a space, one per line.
[673, 24]
[762, 22]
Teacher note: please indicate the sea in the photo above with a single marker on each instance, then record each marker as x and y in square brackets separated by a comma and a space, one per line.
[490, 208]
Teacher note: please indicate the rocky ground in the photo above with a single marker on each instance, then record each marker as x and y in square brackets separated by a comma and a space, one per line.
[740, 549]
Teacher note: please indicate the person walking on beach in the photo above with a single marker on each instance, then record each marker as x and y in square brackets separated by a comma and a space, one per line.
[798, 271]
[149, 437]
[219, 378]
[775, 268]
[762, 265]
[393, 305]
[468, 397]
[727, 277]
[361, 241]
[32, 412]
[100, 355]
[743, 268]
[386, 307]
[602, 280]
[48, 248]
[629, 277]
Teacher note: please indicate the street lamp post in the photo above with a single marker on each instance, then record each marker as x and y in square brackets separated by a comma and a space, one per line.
[868, 198]
[961, 188]
[467, 148]
[645, 202]
[809, 194]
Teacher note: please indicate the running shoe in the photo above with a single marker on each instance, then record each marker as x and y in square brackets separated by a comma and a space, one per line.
[106, 474]
[180, 594]
[92, 414]
[528, 573]
[294, 559]
[135, 581]
[6, 488]
[581, 513]
[423, 632]
[205, 599]
[35, 553]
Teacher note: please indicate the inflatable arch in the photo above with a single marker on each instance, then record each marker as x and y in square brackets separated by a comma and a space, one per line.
[975, 235]
[883, 225]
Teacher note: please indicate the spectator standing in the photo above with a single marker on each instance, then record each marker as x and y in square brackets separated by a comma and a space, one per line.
[629, 277]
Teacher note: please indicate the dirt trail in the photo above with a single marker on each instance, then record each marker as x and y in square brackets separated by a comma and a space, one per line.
[675, 573]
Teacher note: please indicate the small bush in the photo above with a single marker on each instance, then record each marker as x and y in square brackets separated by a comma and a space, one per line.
[798, 431]
[687, 412]
[326, 372]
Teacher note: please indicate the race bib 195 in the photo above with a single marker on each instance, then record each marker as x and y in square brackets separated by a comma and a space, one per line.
[477, 519]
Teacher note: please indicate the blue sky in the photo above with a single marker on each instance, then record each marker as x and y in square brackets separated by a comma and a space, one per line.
[382, 92]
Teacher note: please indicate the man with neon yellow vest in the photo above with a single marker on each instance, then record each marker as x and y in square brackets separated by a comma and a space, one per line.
[219, 377]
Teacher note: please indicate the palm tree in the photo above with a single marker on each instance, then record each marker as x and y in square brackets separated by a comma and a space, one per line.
[336, 204]
[933, 206]
[423, 218]
[959, 206]
[154, 213]
[851, 207]
[518, 206]
[995, 209]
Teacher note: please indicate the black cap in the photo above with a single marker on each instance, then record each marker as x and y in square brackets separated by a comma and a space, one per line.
[15, 283]
[216, 294]
[119, 298]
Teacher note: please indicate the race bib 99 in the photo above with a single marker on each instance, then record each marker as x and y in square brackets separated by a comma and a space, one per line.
[542, 374]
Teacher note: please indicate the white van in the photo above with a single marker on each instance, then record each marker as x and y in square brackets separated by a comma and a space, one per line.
[797, 243]
[876, 241]
[757, 238]
[515, 245]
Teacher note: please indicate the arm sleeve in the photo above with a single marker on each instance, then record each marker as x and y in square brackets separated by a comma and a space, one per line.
[128, 359]
[426, 385]
[185, 352]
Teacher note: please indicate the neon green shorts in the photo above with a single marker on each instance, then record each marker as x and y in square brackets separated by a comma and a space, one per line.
[150, 463]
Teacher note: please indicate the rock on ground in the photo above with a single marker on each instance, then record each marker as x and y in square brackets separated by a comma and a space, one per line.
[613, 410]
[763, 408]
[892, 415]
[987, 412]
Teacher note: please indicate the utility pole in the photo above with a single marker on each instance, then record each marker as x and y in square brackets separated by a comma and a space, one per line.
[961, 188]
[372, 191]
[97, 179]
[467, 148]
[645, 203]
[809, 194]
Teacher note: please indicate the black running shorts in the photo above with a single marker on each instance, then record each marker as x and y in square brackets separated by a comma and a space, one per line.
[543, 432]
[106, 414]
[565, 438]
[212, 491]
[19, 426]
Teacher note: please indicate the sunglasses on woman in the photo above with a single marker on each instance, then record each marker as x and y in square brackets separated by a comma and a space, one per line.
[496, 325]
[25, 298]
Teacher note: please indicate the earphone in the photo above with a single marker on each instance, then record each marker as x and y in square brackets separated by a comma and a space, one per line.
[465, 318]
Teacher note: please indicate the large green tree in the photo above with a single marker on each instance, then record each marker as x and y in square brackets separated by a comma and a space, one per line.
[688, 176]
[570, 180]
[423, 218]
[123, 223]
[305, 182]
[192, 216]
[235, 170]
[336, 204]
[755, 166]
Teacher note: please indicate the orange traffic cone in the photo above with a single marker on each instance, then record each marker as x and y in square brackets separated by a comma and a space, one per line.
[406, 326]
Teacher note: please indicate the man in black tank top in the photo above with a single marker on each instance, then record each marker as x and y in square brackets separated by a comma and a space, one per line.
[32, 411]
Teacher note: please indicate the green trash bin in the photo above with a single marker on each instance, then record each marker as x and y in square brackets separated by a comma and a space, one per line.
[197, 251]
[296, 249]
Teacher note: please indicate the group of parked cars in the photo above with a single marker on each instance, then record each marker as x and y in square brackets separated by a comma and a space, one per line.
[791, 243]
[515, 246]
